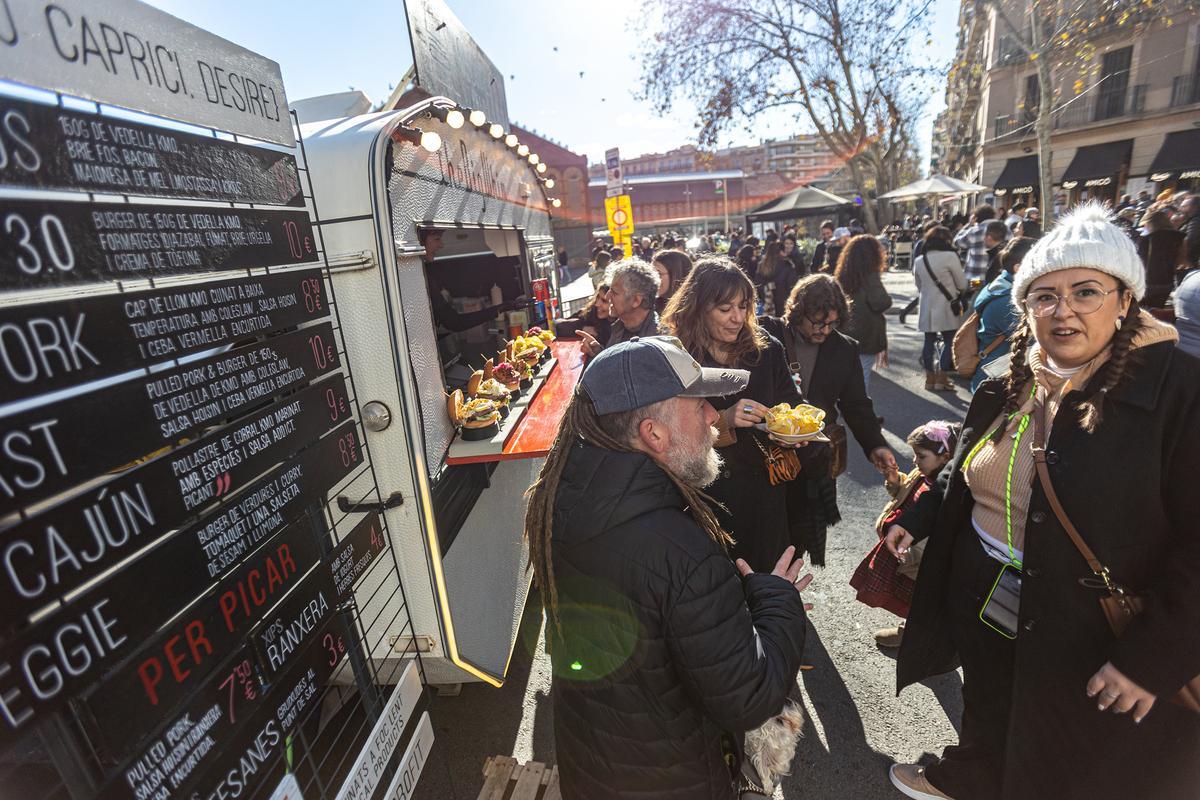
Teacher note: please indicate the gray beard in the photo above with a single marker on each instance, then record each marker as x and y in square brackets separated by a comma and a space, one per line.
[697, 467]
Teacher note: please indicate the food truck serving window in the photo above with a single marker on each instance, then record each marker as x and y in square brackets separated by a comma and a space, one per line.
[478, 187]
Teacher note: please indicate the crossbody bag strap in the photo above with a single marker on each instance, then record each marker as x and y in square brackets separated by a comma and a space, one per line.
[1039, 459]
[949, 297]
[999, 340]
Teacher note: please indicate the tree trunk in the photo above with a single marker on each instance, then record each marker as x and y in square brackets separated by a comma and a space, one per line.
[867, 204]
[1042, 127]
[1041, 52]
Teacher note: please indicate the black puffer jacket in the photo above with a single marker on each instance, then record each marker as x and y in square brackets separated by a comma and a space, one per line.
[663, 647]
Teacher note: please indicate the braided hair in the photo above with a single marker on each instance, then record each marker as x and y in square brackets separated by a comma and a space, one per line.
[1113, 373]
[582, 425]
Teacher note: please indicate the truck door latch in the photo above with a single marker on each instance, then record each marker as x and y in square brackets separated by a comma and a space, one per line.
[347, 506]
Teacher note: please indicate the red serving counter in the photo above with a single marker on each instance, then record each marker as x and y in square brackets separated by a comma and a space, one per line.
[537, 424]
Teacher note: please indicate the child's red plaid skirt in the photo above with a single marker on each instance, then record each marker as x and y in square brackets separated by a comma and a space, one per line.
[879, 585]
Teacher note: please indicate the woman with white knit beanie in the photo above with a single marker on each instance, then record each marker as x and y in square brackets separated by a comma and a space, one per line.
[1055, 704]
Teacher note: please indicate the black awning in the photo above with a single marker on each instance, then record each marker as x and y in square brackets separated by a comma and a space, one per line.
[1178, 157]
[1019, 173]
[1098, 161]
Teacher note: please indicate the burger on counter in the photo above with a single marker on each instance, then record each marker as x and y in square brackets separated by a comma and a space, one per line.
[482, 385]
[478, 418]
[509, 377]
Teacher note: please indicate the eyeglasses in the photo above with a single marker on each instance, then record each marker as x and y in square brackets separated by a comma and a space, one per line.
[821, 326]
[1082, 301]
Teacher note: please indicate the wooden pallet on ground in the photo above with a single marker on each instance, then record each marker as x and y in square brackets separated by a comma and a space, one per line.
[507, 779]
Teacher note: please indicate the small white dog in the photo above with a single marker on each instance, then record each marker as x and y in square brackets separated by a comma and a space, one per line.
[771, 747]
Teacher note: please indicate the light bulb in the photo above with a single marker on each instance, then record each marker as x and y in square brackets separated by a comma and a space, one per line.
[496, 130]
[533, 158]
[523, 150]
[549, 183]
[556, 202]
[431, 141]
[511, 140]
[455, 118]
[541, 168]
[478, 118]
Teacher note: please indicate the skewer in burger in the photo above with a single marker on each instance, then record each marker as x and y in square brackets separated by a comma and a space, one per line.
[487, 388]
[478, 418]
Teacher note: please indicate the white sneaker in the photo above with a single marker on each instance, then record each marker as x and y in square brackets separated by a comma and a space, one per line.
[911, 781]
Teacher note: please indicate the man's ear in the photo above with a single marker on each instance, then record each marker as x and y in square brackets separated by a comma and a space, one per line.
[654, 436]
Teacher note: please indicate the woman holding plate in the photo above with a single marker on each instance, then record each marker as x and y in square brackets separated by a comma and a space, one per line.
[712, 313]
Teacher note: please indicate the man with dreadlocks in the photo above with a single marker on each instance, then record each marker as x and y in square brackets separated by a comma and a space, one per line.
[663, 654]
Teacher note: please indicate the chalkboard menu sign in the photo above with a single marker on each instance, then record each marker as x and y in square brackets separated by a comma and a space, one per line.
[49, 244]
[49, 147]
[175, 412]
[50, 346]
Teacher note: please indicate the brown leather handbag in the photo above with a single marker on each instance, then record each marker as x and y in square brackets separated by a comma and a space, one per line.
[1119, 606]
[836, 434]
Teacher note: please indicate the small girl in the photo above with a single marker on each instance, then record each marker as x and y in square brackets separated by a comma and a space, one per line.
[881, 580]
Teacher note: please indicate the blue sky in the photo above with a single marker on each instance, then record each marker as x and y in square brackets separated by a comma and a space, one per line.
[330, 47]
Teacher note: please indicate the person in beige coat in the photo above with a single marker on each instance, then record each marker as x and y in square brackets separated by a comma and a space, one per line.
[940, 280]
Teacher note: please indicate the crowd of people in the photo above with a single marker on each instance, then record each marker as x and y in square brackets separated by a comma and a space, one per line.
[668, 526]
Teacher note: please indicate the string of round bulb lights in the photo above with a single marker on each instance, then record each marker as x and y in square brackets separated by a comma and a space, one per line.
[456, 117]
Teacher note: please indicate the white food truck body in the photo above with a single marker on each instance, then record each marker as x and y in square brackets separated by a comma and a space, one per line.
[456, 530]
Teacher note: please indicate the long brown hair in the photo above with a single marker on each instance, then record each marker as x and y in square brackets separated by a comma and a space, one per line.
[770, 261]
[861, 256]
[1112, 375]
[712, 282]
[581, 424]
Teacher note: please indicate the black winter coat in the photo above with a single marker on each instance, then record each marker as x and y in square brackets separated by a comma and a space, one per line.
[1130, 489]
[664, 647]
[836, 385]
[755, 512]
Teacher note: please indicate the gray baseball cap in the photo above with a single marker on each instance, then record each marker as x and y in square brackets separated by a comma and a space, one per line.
[650, 369]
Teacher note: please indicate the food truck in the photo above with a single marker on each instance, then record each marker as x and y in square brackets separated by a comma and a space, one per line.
[385, 185]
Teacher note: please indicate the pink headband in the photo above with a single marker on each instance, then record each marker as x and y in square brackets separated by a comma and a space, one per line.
[938, 432]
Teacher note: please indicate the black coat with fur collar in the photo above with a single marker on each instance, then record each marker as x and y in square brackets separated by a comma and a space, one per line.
[1131, 490]
[664, 648]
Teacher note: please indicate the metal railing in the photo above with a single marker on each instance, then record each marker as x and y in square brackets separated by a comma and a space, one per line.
[1020, 124]
[1103, 105]
[1185, 90]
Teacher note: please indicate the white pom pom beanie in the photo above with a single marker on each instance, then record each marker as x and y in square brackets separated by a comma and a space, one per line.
[1085, 237]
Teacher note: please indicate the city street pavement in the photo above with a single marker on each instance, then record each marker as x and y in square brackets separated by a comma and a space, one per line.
[857, 726]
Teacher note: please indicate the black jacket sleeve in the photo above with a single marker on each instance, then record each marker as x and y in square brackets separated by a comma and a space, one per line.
[1155, 652]
[858, 410]
[1191, 230]
[920, 518]
[736, 645]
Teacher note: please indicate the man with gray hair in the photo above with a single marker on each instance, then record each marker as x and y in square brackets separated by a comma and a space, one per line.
[633, 287]
[664, 652]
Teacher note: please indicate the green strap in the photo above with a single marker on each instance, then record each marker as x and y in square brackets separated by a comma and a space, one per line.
[1012, 460]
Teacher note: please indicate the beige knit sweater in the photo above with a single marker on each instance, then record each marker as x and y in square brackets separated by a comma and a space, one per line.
[987, 472]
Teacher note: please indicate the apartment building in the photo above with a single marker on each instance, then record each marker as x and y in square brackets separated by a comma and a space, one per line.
[799, 159]
[1125, 117]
